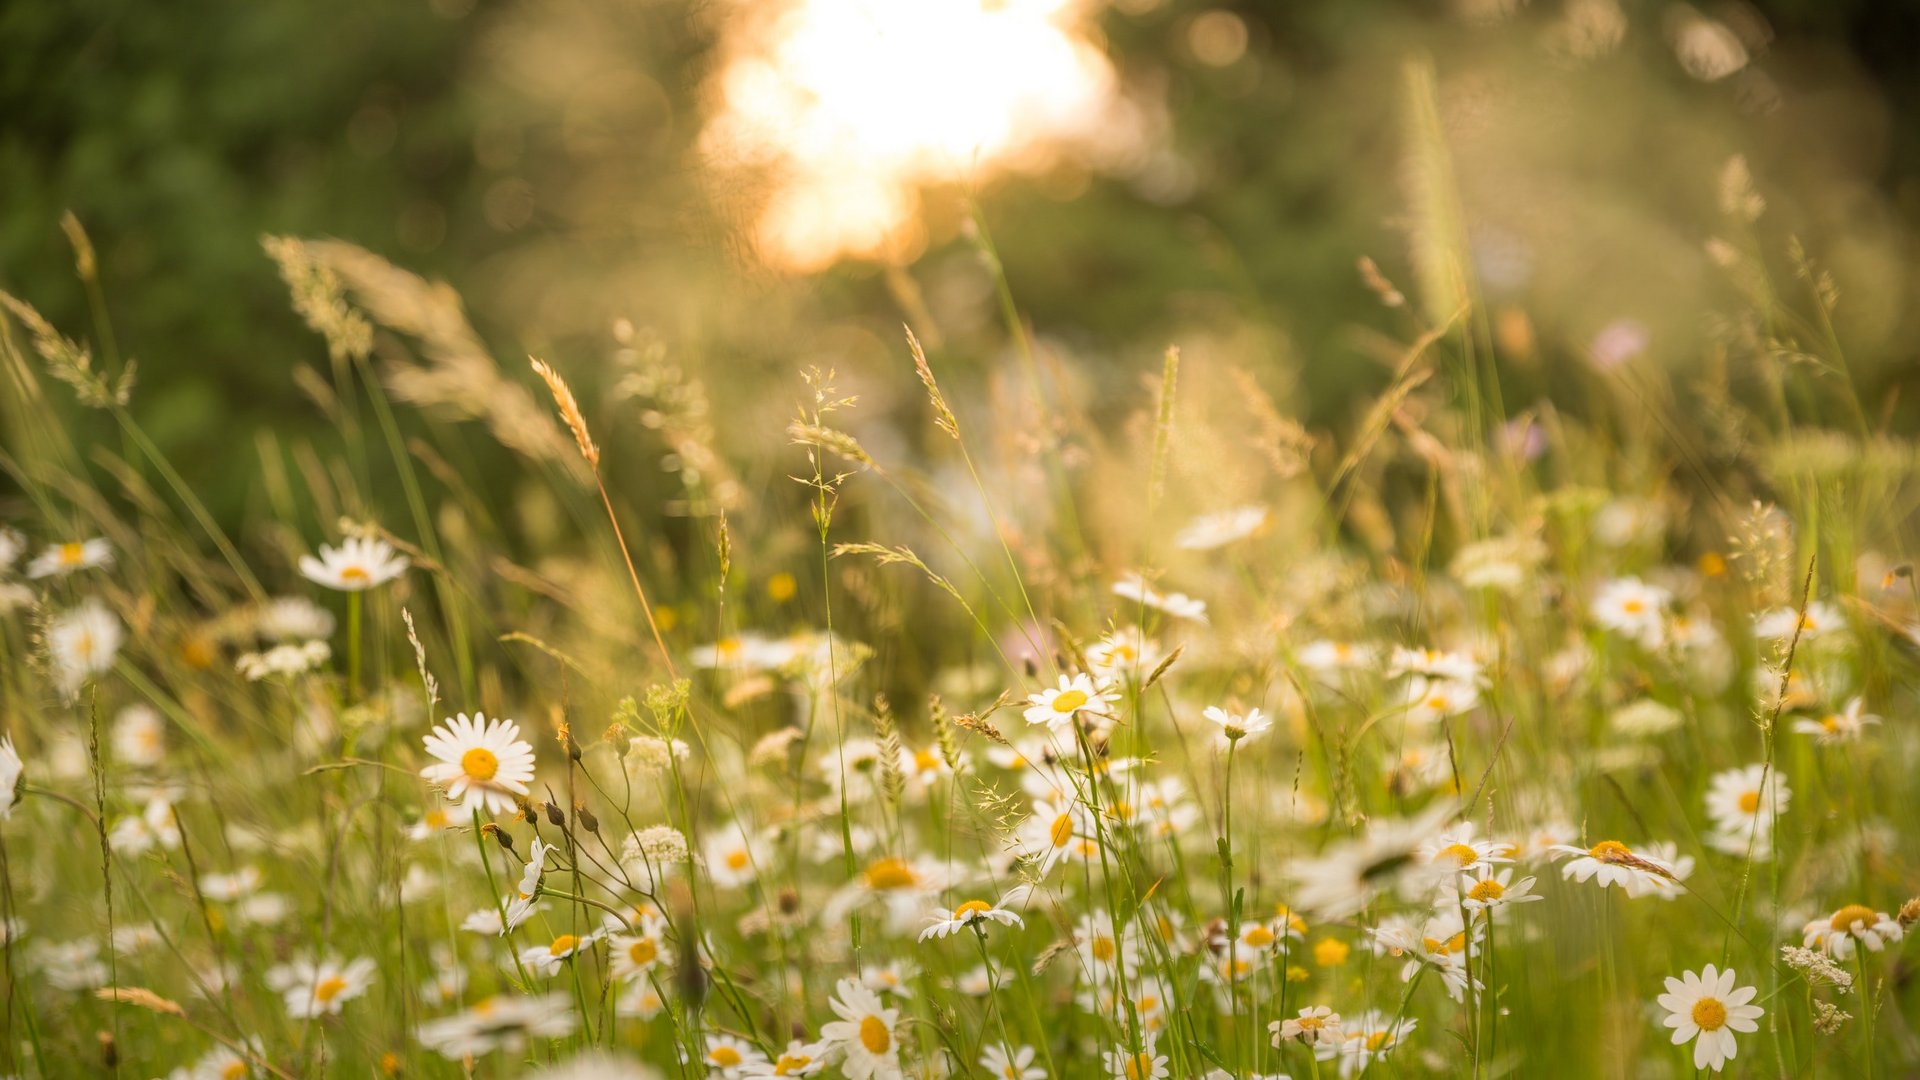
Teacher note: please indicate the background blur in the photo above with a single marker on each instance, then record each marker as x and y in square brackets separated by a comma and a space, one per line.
[759, 186]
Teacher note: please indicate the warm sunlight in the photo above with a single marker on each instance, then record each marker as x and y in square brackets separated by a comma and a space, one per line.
[850, 106]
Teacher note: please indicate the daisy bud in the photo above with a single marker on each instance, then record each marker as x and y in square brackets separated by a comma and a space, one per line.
[109, 1049]
[556, 817]
[587, 820]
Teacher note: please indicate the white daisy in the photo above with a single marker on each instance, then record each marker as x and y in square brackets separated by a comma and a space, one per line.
[1838, 932]
[968, 913]
[321, 988]
[730, 1057]
[1373, 1035]
[864, 1034]
[1313, 1026]
[1633, 609]
[1708, 1009]
[1178, 605]
[294, 618]
[549, 958]
[1611, 862]
[1217, 530]
[1234, 727]
[1487, 891]
[636, 953]
[732, 856]
[499, 1023]
[1746, 799]
[358, 564]
[1846, 725]
[482, 764]
[139, 736]
[1124, 1063]
[798, 1059]
[65, 558]
[1778, 624]
[1015, 1066]
[83, 642]
[1057, 706]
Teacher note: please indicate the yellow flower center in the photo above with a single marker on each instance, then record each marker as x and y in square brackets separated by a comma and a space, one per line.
[874, 1035]
[72, 554]
[1610, 851]
[1061, 830]
[1103, 949]
[436, 819]
[1633, 606]
[723, 1056]
[791, 1064]
[328, 989]
[1069, 700]
[925, 761]
[235, 1070]
[1709, 1014]
[1452, 945]
[354, 573]
[1749, 801]
[480, 763]
[972, 907]
[562, 945]
[1460, 853]
[1378, 1039]
[737, 859]
[1257, 936]
[1139, 1067]
[643, 952]
[1844, 919]
[1486, 889]
[890, 873]
[1312, 1023]
[1830, 723]
[1330, 952]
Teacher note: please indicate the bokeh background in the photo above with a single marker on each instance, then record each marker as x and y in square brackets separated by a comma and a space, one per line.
[1152, 172]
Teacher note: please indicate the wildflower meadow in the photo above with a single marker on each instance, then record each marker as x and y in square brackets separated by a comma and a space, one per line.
[572, 708]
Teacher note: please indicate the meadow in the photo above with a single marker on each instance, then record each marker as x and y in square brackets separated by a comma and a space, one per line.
[980, 721]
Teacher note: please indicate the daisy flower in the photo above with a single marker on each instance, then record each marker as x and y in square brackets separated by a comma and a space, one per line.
[732, 857]
[139, 736]
[293, 618]
[1838, 932]
[60, 559]
[1746, 799]
[1779, 624]
[548, 959]
[1435, 664]
[1846, 725]
[1373, 1035]
[1313, 1026]
[1707, 1009]
[1349, 874]
[798, 1059]
[1455, 851]
[358, 564]
[1490, 889]
[637, 953]
[1178, 605]
[83, 642]
[1103, 949]
[969, 913]
[1324, 657]
[1217, 530]
[1633, 609]
[1015, 1066]
[483, 764]
[1234, 727]
[1057, 706]
[1048, 834]
[499, 1023]
[322, 988]
[1431, 700]
[1124, 653]
[731, 1057]
[1611, 862]
[1125, 1064]
[864, 1034]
